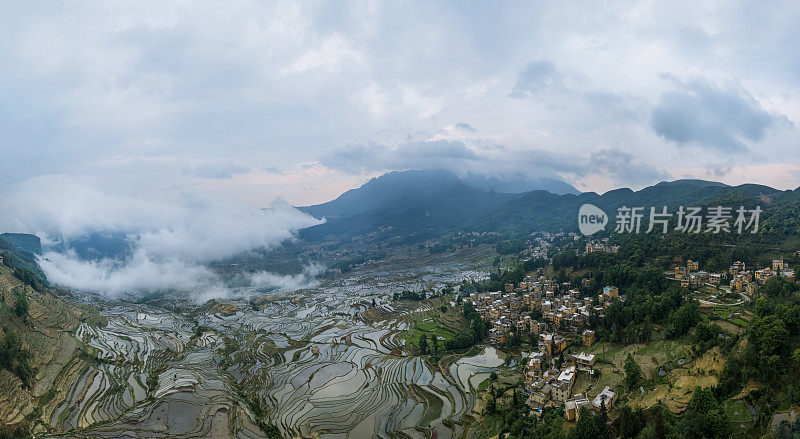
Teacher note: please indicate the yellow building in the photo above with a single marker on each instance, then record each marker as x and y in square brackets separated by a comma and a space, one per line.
[535, 366]
[584, 360]
[559, 344]
[588, 337]
[763, 275]
[692, 265]
[777, 264]
[611, 292]
[541, 395]
[680, 272]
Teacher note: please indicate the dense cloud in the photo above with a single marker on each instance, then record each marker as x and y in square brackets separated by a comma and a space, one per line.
[306, 279]
[624, 168]
[170, 242]
[709, 116]
[159, 95]
[440, 154]
[498, 168]
[141, 273]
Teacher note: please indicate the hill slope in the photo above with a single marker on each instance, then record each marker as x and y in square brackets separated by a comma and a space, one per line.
[41, 357]
[418, 205]
[410, 202]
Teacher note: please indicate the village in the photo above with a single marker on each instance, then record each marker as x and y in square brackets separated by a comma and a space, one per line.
[563, 320]
[549, 375]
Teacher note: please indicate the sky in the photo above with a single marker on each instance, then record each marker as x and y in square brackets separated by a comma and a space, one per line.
[159, 104]
[256, 100]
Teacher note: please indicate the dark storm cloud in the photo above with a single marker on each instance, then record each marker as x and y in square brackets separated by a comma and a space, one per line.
[708, 116]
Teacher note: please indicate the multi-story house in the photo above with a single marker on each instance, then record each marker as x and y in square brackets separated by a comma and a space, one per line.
[588, 337]
[584, 361]
[610, 292]
[607, 396]
[562, 388]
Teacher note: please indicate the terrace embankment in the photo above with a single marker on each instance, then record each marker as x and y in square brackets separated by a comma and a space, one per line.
[46, 334]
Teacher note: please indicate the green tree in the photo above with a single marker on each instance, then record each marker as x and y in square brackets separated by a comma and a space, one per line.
[423, 343]
[21, 305]
[705, 417]
[633, 373]
[770, 336]
[585, 428]
[601, 421]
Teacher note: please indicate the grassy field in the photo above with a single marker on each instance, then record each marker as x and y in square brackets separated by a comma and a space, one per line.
[737, 411]
[443, 325]
[740, 322]
[739, 416]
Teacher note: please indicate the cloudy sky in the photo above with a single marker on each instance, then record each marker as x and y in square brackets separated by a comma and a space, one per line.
[254, 100]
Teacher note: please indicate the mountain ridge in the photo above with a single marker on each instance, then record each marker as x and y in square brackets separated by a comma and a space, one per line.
[427, 203]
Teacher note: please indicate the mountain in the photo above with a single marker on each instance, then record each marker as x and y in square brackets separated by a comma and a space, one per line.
[24, 242]
[15, 252]
[418, 205]
[97, 245]
[540, 210]
[516, 184]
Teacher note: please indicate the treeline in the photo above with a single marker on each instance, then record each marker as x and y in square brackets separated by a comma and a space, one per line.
[477, 327]
[409, 295]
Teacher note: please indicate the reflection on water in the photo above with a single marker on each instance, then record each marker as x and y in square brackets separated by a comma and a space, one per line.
[308, 359]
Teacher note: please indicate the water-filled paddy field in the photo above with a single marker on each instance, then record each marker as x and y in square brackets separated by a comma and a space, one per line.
[303, 363]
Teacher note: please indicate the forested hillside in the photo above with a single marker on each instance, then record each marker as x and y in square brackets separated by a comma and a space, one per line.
[420, 205]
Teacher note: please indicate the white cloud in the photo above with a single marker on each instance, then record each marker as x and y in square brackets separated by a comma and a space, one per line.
[139, 274]
[306, 279]
[274, 84]
[170, 242]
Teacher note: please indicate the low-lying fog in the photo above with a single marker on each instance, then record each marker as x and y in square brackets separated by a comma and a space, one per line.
[167, 246]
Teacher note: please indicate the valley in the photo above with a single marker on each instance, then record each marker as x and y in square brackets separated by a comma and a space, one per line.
[328, 361]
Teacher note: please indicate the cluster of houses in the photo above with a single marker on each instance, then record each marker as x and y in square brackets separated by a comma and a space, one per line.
[746, 281]
[691, 276]
[741, 279]
[508, 310]
[561, 310]
[546, 385]
[600, 246]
